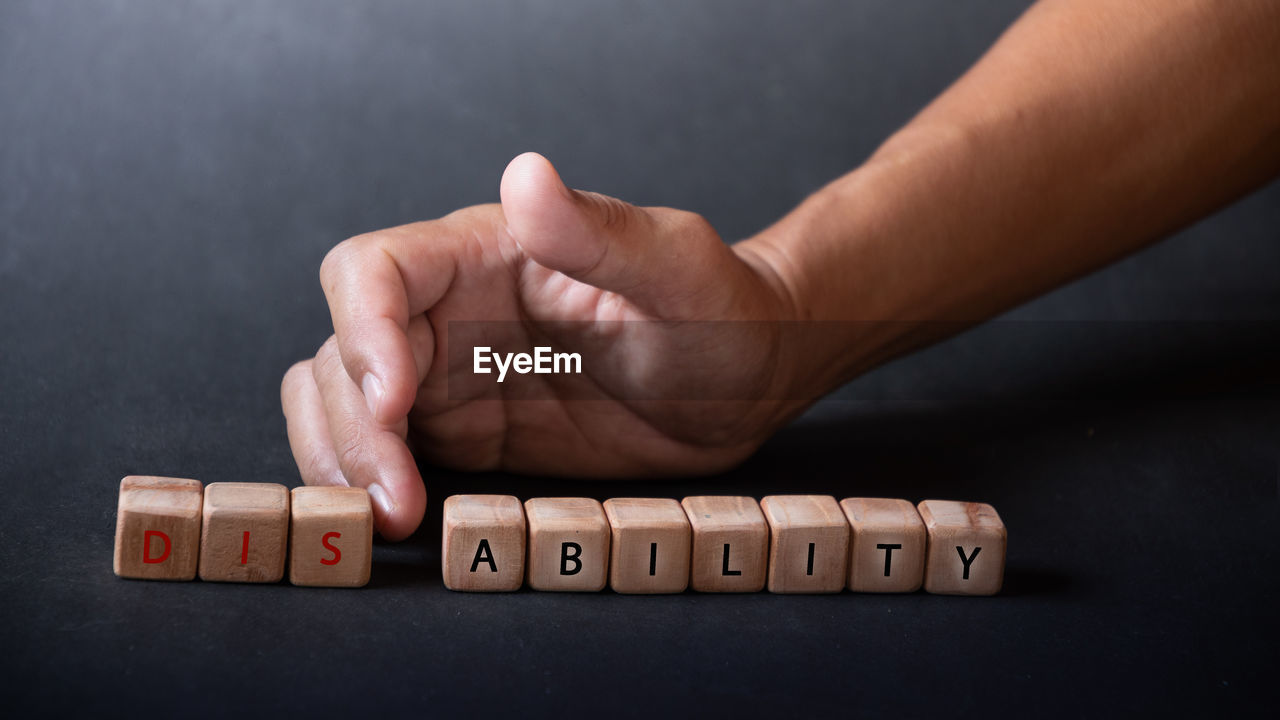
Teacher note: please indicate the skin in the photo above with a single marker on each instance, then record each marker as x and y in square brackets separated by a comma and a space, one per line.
[1090, 129]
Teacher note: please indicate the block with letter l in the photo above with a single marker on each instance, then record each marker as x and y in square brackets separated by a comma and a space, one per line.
[730, 543]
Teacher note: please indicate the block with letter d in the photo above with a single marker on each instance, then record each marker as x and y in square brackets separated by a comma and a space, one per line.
[158, 528]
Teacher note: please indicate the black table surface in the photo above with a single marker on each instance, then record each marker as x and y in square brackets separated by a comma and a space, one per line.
[171, 174]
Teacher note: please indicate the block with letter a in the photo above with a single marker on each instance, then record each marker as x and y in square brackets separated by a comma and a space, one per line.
[482, 549]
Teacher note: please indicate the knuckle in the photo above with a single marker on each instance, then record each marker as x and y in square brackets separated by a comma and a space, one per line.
[352, 446]
[343, 255]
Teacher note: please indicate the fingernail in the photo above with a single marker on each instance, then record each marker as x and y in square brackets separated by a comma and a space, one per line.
[372, 388]
[381, 501]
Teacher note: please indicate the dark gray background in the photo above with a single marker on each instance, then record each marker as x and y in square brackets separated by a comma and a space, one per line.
[172, 173]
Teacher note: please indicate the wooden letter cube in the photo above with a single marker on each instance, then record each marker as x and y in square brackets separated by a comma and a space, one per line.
[730, 544]
[483, 544]
[331, 537]
[568, 544]
[809, 543]
[158, 528]
[886, 550]
[650, 546]
[967, 544]
[245, 532]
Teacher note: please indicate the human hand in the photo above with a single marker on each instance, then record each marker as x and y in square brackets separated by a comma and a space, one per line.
[680, 335]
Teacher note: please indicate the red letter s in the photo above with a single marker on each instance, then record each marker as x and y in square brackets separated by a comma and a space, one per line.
[337, 554]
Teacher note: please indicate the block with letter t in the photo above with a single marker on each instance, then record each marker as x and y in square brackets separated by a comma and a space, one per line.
[158, 528]
[568, 544]
[886, 549]
[330, 537]
[483, 546]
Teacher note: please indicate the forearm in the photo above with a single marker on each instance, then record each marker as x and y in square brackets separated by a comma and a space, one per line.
[1089, 130]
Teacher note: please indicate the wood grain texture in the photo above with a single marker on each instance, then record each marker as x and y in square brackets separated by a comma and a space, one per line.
[886, 545]
[568, 544]
[330, 537]
[730, 543]
[960, 533]
[244, 534]
[650, 546]
[483, 547]
[808, 543]
[158, 528]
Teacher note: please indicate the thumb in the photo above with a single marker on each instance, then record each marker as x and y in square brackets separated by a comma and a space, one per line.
[651, 256]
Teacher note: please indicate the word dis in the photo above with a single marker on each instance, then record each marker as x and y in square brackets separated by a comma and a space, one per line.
[172, 529]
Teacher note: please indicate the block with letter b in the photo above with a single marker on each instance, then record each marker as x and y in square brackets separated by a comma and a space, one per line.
[330, 537]
[730, 543]
[158, 528]
[967, 543]
[483, 546]
[244, 535]
[568, 544]
[808, 543]
[887, 547]
[649, 549]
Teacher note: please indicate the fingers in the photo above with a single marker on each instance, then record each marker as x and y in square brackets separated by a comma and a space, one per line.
[374, 284]
[653, 256]
[308, 428]
[336, 441]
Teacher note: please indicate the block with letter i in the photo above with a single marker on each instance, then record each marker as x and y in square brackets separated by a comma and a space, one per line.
[158, 528]
[568, 544]
[484, 543]
[330, 536]
[245, 532]
[887, 545]
[808, 545]
[967, 543]
[649, 549]
[730, 544]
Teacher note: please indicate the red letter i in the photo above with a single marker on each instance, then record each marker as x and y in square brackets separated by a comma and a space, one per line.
[244, 549]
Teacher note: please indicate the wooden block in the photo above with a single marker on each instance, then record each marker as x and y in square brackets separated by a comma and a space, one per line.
[158, 528]
[245, 532]
[730, 544]
[568, 544]
[887, 545]
[483, 545]
[651, 541]
[330, 537]
[967, 543]
[809, 543]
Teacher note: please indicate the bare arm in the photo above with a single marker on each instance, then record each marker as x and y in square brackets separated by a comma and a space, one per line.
[1090, 129]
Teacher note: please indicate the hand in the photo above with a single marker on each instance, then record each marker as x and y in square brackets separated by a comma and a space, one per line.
[679, 334]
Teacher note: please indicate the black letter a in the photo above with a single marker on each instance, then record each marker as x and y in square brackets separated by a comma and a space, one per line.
[484, 554]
